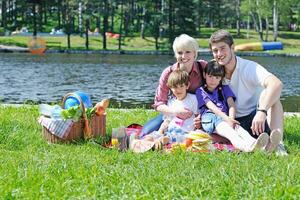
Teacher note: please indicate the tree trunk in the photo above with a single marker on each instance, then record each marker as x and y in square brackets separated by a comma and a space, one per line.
[275, 20]
[238, 17]
[121, 24]
[267, 29]
[105, 23]
[87, 28]
[171, 27]
[3, 14]
[260, 30]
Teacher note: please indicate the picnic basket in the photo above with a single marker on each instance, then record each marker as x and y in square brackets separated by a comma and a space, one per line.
[97, 124]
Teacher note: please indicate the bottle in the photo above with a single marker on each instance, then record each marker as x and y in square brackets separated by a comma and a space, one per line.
[56, 111]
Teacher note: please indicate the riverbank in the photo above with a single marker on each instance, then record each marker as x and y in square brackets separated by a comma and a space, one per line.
[205, 52]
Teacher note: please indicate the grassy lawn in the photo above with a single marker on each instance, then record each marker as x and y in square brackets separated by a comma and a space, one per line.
[290, 40]
[33, 169]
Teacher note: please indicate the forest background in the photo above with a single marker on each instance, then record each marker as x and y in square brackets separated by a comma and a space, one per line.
[162, 20]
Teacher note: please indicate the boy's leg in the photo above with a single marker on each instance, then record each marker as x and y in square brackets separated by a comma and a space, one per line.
[152, 125]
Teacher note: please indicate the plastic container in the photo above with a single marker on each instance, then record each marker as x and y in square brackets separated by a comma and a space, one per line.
[56, 111]
[46, 109]
[73, 101]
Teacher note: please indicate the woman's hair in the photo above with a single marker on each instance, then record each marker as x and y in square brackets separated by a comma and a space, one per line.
[213, 68]
[185, 42]
[178, 77]
[221, 36]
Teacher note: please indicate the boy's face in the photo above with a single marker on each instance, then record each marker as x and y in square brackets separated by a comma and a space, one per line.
[222, 52]
[180, 91]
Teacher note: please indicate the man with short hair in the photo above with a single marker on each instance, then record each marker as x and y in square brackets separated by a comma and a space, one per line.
[258, 91]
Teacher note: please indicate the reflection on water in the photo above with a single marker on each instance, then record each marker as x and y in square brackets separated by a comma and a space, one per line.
[127, 79]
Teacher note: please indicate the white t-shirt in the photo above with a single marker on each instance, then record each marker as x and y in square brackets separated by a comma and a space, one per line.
[189, 102]
[247, 83]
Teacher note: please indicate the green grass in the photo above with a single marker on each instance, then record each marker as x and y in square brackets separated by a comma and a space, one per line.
[290, 40]
[30, 168]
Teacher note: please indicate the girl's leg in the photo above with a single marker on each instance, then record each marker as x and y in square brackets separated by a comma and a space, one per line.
[260, 143]
[237, 141]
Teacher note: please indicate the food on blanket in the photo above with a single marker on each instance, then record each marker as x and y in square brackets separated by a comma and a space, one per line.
[101, 107]
[197, 135]
[114, 141]
[188, 142]
[198, 140]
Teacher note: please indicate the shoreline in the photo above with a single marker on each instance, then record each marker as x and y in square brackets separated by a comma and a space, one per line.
[205, 52]
[286, 114]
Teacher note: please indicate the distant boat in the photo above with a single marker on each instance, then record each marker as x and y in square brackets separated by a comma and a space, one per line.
[259, 46]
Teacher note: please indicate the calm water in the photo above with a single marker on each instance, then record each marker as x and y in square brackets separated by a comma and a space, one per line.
[129, 80]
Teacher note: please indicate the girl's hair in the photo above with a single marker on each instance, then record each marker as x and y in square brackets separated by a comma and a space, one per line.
[185, 42]
[214, 69]
[178, 77]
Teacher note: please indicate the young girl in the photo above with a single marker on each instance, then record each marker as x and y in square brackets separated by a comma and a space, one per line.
[217, 109]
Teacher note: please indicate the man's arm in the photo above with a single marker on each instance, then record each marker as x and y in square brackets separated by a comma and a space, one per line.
[270, 95]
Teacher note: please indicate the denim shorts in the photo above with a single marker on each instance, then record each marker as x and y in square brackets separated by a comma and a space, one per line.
[209, 121]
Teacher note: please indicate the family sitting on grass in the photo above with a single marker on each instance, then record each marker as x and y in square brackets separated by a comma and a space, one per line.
[228, 97]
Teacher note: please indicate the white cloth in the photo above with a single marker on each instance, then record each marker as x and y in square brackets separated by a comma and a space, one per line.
[247, 83]
[189, 102]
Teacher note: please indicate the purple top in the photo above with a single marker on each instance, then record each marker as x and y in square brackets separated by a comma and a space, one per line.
[203, 97]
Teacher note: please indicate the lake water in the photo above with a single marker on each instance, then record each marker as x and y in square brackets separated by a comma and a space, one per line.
[128, 80]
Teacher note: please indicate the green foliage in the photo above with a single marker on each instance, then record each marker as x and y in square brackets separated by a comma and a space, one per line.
[31, 168]
[2, 31]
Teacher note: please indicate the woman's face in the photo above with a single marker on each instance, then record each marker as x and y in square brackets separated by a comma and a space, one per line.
[185, 58]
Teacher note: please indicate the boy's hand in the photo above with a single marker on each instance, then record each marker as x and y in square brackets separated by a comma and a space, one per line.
[183, 113]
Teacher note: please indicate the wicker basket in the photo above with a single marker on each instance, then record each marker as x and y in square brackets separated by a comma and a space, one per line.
[97, 125]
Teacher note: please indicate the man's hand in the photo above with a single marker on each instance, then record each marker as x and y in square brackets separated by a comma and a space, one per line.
[197, 122]
[258, 123]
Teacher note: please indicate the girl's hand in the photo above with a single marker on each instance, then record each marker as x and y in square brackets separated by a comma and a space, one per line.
[232, 122]
[197, 122]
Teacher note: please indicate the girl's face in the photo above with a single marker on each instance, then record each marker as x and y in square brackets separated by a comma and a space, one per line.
[212, 81]
[180, 91]
[186, 59]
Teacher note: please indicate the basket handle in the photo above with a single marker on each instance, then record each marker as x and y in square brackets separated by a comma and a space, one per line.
[80, 101]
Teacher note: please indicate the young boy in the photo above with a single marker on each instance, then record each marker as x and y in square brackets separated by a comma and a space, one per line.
[173, 128]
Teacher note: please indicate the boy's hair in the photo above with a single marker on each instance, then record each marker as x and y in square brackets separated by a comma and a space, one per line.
[185, 42]
[221, 36]
[214, 68]
[177, 78]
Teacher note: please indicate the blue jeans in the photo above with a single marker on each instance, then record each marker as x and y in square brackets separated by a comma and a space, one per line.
[152, 125]
[210, 121]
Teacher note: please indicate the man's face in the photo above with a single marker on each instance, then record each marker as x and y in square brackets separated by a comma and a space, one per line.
[222, 53]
